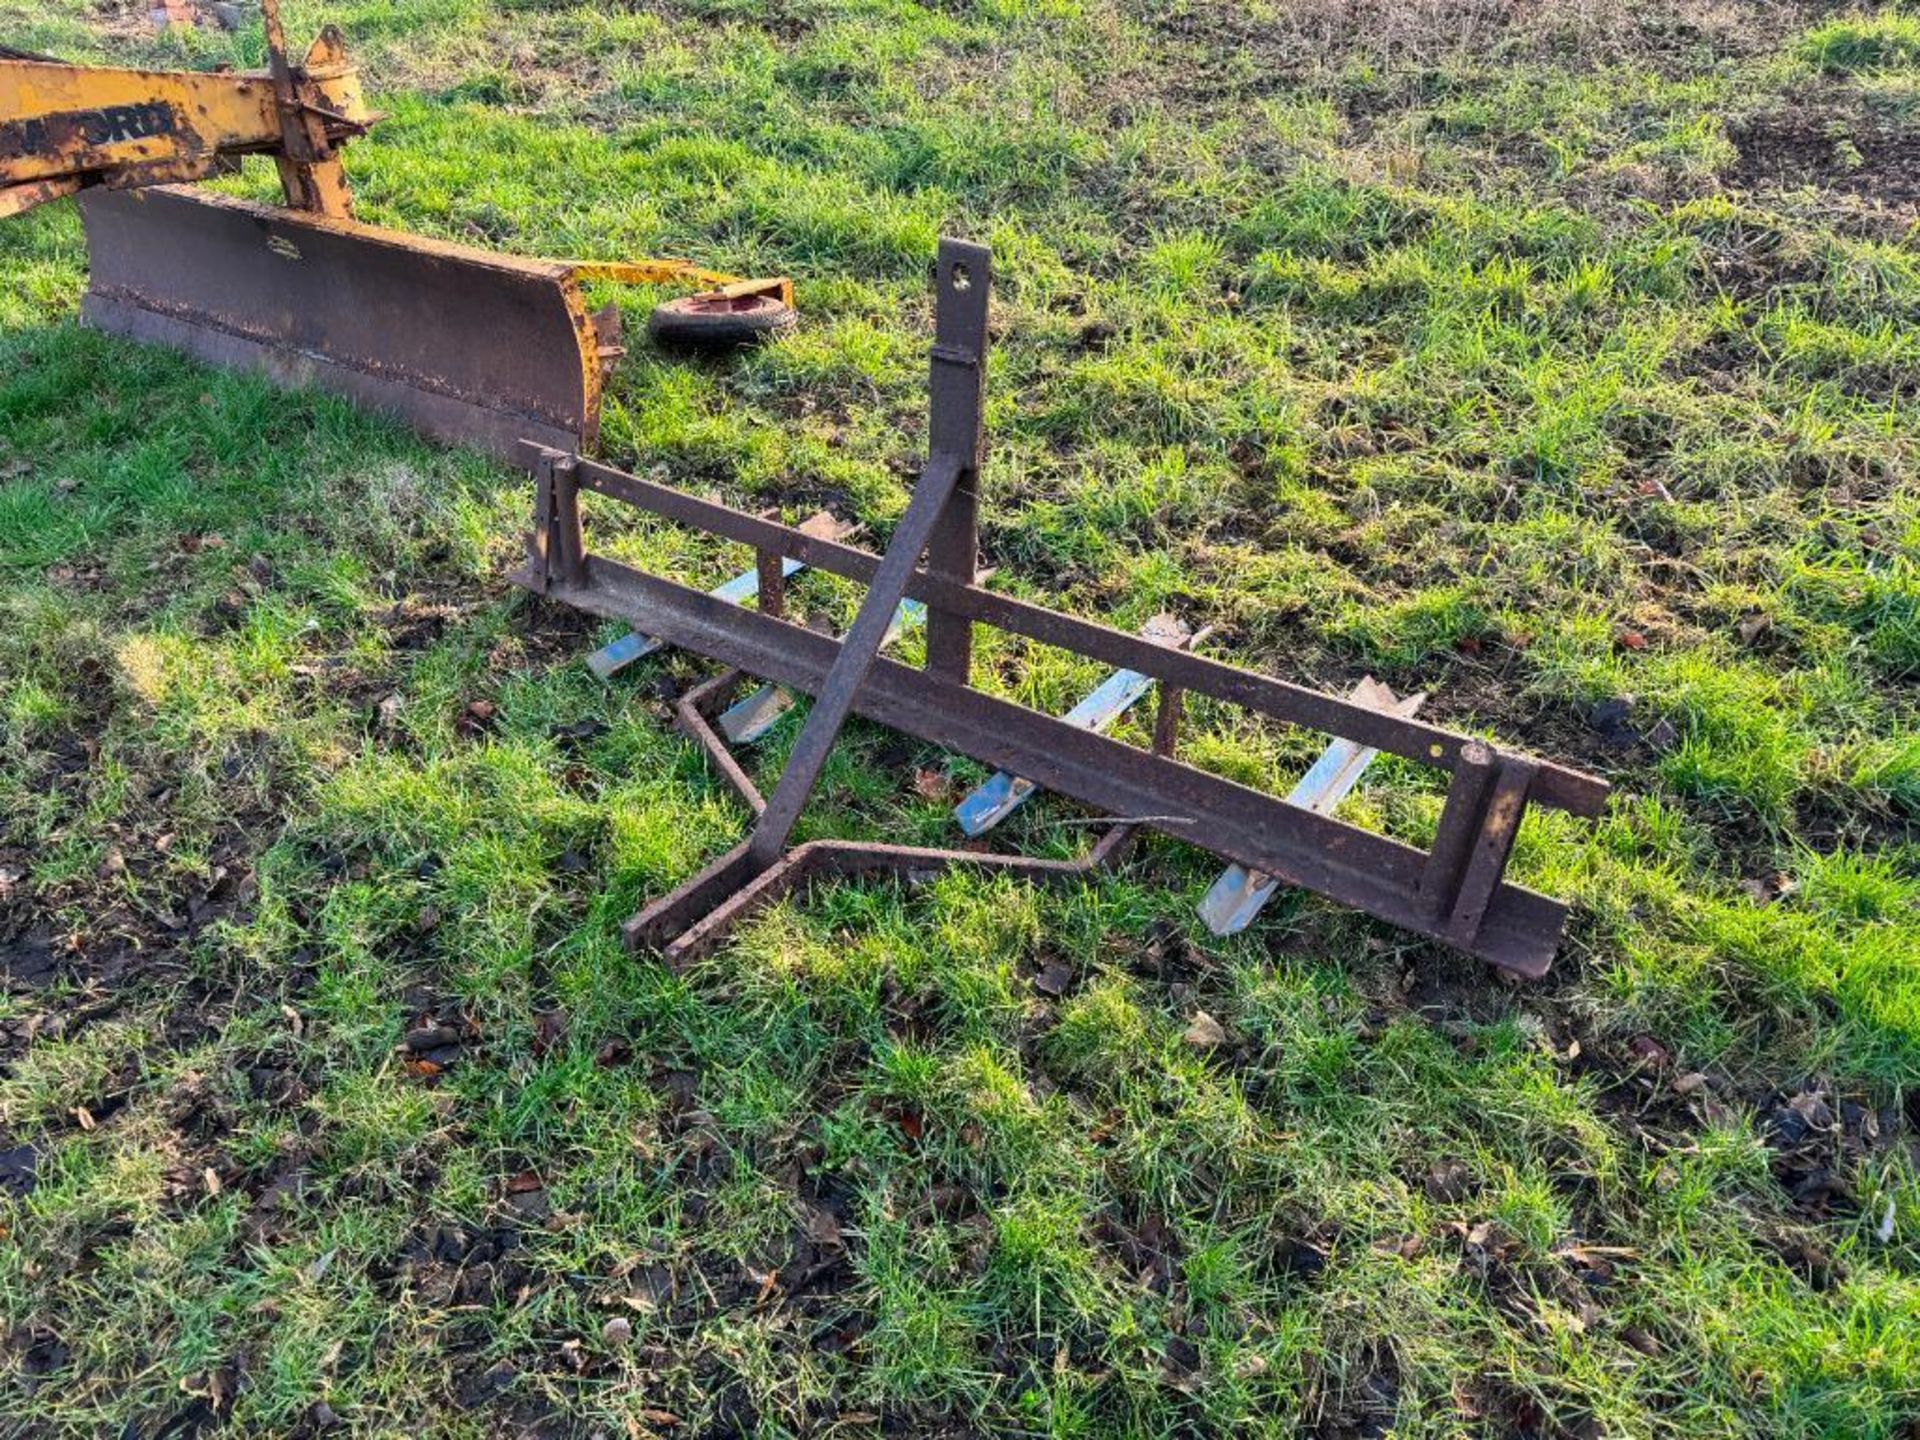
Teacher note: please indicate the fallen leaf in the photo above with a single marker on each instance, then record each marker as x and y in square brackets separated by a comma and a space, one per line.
[478, 716]
[822, 1227]
[1205, 1032]
[1054, 979]
[1448, 1181]
[1650, 1051]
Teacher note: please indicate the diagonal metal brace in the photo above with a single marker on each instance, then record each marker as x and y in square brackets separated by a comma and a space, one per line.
[931, 519]
[1455, 891]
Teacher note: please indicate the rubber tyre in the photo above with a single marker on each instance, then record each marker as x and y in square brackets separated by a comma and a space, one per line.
[709, 322]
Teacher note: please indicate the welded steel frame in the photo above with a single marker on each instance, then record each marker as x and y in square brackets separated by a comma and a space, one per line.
[1455, 892]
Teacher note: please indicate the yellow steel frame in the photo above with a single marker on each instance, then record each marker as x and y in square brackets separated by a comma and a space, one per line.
[64, 126]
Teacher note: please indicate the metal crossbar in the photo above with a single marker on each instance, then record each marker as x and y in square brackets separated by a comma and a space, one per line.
[1455, 893]
[610, 659]
[1237, 897]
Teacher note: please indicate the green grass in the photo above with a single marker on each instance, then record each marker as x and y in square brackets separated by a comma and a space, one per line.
[1482, 354]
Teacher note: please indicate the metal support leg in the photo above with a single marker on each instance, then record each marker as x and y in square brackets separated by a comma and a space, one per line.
[857, 654]
[957, 385]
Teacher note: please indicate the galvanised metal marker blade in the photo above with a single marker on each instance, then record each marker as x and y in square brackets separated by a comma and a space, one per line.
[1238, 896]
[750, 719]
[1000, 796]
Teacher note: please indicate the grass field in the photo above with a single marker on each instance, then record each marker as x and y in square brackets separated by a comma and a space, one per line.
[1558, 357]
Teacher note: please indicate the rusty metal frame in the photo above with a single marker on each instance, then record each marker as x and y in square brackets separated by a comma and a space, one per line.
[1455, 893]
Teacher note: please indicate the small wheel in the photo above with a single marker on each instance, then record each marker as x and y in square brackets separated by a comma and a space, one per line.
[719, 322]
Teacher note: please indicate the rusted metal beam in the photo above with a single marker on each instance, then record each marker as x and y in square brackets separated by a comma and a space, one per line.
[1237, 897]
[1003, 793]
[1555, 785]
[1456, 893]
[1518, 932]
[956, 387]
[854, 658]
[610, 659]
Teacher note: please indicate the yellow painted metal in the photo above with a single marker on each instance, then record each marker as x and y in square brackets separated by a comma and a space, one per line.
[135, 127]
[676, 272]
[191, 270]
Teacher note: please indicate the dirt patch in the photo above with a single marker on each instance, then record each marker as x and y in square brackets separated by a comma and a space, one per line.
[1828, 149]
[1413, 37]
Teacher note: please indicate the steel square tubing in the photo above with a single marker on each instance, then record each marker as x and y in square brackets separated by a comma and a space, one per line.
[1518, 930]
[1553, 784]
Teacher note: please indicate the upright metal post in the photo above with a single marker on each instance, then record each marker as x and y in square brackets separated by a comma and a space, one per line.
[556, 546]
[309, 164]
[956, 429]
[942, 521]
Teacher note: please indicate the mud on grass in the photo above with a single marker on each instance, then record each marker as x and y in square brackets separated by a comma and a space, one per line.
[1562, 369]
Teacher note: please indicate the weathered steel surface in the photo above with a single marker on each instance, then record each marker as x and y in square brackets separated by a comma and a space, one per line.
[1354, 866]
[468, 346]
[752, 718]
[853, 659]
[956, 390]
[610, 659]
[844, 858]
[1456, 893]
[1555, 785]
[72, 120]
[65, 127]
